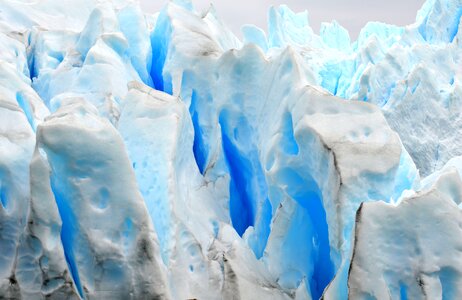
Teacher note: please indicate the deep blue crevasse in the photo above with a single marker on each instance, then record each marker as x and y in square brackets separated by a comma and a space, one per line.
[403, 291]
[304, 190]
[248, 189]
[31, 59]
[241, 204]
[160, 39]
[3, 196]
[199, 148]
[323, 267]
[69, 231]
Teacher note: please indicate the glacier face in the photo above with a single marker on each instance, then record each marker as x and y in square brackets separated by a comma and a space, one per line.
[160, 157]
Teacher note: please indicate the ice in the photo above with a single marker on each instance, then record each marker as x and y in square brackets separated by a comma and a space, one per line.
[439, 20]
[385, 70]
[41, 264]
[419, 245]
[380, 67]
[108, 240]
[335, 36]
[21, 110]
[68, 64]
[292, 140]
[159, 156]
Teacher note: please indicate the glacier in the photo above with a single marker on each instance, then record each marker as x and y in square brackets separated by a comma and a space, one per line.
[159, 156]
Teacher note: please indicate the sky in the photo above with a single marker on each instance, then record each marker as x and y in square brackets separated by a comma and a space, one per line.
[352, 14]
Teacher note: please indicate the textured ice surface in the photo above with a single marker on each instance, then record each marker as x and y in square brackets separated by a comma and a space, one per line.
[160, 157]
[422, 261]
[395, 68]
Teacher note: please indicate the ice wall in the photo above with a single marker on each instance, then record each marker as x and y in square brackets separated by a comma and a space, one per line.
[158, 156]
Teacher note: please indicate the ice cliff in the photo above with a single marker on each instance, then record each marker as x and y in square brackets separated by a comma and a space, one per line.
[161, 157]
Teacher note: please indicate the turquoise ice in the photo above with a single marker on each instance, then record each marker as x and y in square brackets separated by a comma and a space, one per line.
[161, 157]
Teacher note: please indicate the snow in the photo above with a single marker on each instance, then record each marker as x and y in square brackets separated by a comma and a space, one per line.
[158, 156]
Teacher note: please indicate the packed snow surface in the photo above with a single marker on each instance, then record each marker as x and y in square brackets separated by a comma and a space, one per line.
[160, 157]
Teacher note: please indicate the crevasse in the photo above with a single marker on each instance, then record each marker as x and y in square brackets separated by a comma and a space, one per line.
[159, 156]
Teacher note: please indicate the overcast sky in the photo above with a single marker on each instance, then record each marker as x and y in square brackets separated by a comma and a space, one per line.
[352, 14]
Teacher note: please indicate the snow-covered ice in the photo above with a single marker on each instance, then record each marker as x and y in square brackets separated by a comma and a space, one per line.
[160, 157]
